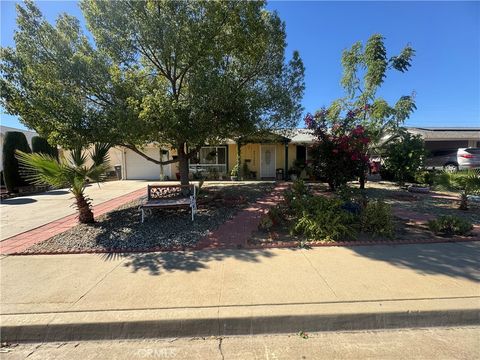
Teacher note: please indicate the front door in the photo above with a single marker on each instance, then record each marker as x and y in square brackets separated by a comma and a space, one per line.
[267, 161]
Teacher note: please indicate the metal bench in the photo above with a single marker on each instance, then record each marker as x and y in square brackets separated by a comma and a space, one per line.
[170, 196]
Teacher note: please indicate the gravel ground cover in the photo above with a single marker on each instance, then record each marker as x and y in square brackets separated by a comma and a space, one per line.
[436, 204]
[163, 229]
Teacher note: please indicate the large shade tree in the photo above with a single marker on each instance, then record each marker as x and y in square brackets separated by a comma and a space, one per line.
[181, 74]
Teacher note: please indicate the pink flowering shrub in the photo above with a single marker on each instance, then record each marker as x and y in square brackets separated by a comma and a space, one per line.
[340, 153]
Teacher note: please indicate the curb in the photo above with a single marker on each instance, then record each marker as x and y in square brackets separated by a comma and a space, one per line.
[242, 320]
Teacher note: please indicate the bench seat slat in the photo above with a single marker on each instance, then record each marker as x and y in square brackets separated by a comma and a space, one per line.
[156, 198]
[167, 202]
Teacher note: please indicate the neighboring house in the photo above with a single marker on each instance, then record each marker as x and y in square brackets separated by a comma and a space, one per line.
[443, 138]
[3, 129]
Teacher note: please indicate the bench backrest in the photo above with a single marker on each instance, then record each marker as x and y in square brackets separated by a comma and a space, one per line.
[158, 192]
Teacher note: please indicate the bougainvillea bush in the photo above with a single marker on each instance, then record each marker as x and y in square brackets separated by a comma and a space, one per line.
[340, 153]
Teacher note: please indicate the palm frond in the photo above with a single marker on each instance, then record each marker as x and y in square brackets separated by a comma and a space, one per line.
[100, 155]
[78, 157]
[467, 181]
[98, 173]
[43, 169]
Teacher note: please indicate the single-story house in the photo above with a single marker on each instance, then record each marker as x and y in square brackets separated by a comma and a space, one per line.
[264, 155]
[444, 138]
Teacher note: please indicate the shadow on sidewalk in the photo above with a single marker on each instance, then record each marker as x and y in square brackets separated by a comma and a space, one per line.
[188, 261]
[450, 259]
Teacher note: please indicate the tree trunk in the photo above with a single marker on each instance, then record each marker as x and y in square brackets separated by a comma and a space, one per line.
[239, 146]
[362, 181]
[85, 214]
[183, 164]
[463, 202]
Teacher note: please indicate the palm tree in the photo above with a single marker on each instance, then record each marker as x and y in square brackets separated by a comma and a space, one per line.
[71, 171]
[467, 182]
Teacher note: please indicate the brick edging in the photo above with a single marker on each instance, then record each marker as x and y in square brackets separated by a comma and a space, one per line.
[279, 245]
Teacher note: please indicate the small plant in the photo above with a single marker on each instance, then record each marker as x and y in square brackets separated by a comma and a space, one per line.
[299, 188]
[450, 225]
[277, 214]
[425, 177]
[265, 224]
[234, 172]
[303, 334]
[377, 219]
[467, 182]
[320, 218]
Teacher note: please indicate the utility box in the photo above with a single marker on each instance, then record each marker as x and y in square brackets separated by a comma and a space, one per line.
[118, 171]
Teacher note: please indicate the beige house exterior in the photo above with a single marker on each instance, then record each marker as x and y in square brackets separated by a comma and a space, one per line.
[266, 158]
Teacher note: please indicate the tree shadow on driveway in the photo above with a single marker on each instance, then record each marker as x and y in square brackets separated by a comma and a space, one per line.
[17, 201]
[461, 260]
[188, 261]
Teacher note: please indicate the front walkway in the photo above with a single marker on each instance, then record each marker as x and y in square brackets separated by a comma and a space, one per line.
[235, 232]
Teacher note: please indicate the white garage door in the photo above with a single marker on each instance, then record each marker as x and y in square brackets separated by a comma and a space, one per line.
[139, 168]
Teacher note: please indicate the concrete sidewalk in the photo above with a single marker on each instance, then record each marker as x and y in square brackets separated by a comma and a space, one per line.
[203, 293]
[24, 213]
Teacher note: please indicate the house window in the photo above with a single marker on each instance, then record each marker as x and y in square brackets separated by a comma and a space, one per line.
[210, 155]
[212, 161]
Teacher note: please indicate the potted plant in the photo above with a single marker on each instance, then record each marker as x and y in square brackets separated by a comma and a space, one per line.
[293, 173]
[234, 173]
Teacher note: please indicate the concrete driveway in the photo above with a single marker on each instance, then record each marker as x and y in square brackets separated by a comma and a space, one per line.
[24, 213]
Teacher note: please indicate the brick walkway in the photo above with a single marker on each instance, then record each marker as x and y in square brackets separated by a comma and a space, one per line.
[235, 232]
[26, 239]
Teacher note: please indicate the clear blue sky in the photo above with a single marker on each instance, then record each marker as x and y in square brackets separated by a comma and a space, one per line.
[446, 36]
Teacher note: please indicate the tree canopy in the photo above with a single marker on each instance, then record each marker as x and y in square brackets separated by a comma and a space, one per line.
[365, 68]
[177, 73]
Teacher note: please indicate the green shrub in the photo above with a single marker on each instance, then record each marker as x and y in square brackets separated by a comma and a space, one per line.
[319, 218]
[41, 145]
[467, 182]
[405, 156]
[450, 225]
[14, 140]
[299, 188]
[425, 177]
[277, 214]
[376, 218]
